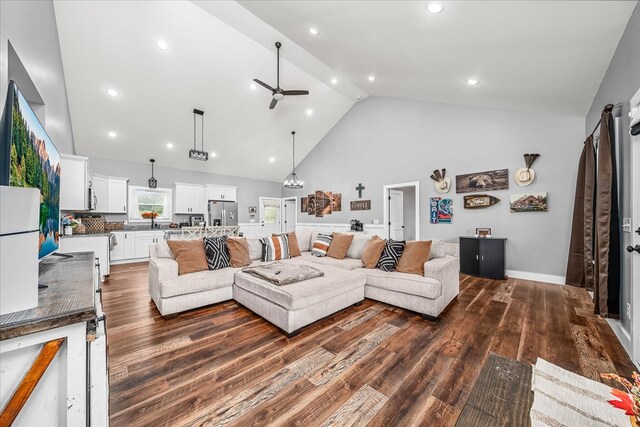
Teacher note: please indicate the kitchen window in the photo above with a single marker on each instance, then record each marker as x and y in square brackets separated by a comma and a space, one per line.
[147, 202]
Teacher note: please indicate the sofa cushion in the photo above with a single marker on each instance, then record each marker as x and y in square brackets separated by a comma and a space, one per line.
[294, 247]
[295, 296]
[303, 234]
[189, 254]
[410, 284]
[339, 246]
[321, 245]
[391, 255]
[217, 252]
[415, 254]
[255, 249]
[275, 248]
[345, 263]
[357, 246]
[437, 249]
[197, 282]
[238, 252]
[372, 252]
[160, 250]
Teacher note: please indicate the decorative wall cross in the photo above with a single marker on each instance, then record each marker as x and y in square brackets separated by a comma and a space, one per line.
[359, 188]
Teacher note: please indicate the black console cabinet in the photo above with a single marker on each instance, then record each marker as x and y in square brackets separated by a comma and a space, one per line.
[483, 257]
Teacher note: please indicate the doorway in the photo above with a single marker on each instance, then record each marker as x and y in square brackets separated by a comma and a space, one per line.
[270, 216]
[290, 211]
[402, 211]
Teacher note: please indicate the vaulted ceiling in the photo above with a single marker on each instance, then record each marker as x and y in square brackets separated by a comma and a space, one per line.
[535, 56]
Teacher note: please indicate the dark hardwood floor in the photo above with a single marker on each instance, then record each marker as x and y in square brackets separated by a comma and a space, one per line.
[373, 365]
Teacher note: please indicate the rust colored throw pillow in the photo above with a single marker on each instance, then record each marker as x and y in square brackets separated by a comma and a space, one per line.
[416, 253]
[189, 254]
[238, 251]
[339, 246]
[294, 248]
[372, 252]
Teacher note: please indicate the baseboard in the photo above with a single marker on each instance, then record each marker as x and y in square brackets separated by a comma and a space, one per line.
[128, 261]
[622, 335]
[546, 278]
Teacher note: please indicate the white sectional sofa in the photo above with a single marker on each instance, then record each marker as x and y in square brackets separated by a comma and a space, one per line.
[291, 307]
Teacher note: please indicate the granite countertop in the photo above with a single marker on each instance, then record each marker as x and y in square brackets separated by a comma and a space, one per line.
[69, 298]
[105, 234]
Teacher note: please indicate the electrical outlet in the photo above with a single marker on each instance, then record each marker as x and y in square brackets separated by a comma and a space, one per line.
[628, 311]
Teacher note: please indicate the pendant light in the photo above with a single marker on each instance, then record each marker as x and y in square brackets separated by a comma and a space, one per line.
[153, 183]
[196, 154]
[292, 180]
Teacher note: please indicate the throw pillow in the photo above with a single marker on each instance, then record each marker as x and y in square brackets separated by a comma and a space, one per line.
[294, 248]
[189, 254]
[217, 252]
[372, 252]
[437, 249]
[255, 249]
[415, 254]
[275, 248]
[391, 255]
[339, 246]
[304, 238]
[238, 252]
[357, 246]
[321, 245]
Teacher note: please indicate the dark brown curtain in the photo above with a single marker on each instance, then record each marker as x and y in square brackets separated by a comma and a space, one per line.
[607, 224]
[580, 264]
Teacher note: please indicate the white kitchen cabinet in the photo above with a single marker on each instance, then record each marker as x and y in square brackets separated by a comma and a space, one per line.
[100, 185]
[189, 199]
[96, 244]
[145, 238]
[125, 248]
[117, 252]
[117, 195]
[221, 192]
[74, 183]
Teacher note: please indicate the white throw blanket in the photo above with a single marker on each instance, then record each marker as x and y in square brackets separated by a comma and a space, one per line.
[281, 273]
[562, 398]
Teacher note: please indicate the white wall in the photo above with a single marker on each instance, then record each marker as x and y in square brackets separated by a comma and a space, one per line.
[384, 141]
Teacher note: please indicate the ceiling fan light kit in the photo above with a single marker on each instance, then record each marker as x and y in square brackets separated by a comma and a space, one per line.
[195, 154]
[292, 181]
[278, 93]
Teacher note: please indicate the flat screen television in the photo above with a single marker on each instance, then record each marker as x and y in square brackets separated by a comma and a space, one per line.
[28, 158]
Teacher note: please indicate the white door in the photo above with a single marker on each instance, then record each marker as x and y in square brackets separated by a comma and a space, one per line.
[396, 215]
[289, 223]
[635, 231]
[270, 216]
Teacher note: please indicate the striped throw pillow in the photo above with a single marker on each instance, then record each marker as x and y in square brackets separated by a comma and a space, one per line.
[321, 245]
[391, 255]
[275, 248]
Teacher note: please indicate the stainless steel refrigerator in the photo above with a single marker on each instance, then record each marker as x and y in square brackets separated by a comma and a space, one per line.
[223, 213]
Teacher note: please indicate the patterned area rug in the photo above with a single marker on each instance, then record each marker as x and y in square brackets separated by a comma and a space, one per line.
[562, 398]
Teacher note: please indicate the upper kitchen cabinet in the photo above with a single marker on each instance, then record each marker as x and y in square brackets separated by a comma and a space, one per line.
[221, 192]
[110, 194]
[74, 183]
[189, 199]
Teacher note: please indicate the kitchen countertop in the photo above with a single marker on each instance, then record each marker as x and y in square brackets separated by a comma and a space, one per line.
[69, 298]
[106, 234]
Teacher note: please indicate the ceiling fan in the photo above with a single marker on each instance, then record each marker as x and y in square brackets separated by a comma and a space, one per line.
[277, 93]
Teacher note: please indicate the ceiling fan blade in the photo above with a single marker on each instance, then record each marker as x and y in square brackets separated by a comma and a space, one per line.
[263, 84]
[273, 103]
[296, 92]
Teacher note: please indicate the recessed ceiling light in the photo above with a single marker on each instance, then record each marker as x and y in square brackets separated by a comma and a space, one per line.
[169, 145]
[212, 154]
[253, 86]
[372, 78]
[472, 81]
[334, 81]
[435, 7]
[163, 45]
[314, 31]
[309, 112]
[112, 134]
[272, 159]
[112, 92]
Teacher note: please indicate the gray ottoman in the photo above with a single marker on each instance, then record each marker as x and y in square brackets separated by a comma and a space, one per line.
[293, 306]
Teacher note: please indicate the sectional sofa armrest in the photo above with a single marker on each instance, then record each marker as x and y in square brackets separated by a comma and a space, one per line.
[162, 269]
[447, 271]
[452, 249]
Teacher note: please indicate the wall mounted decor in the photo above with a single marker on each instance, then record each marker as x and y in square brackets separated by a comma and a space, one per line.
[361, 205]
[359, 189]
[336, 202]
[303, 204]
[253, 209]
[442, 182]
[441, 210]
[525, 176]
[319, 199]
[153, 183]
[483, 181]
[327, 202]
[311, 204]
[479, 201]
[530, 202]
[483, 232]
